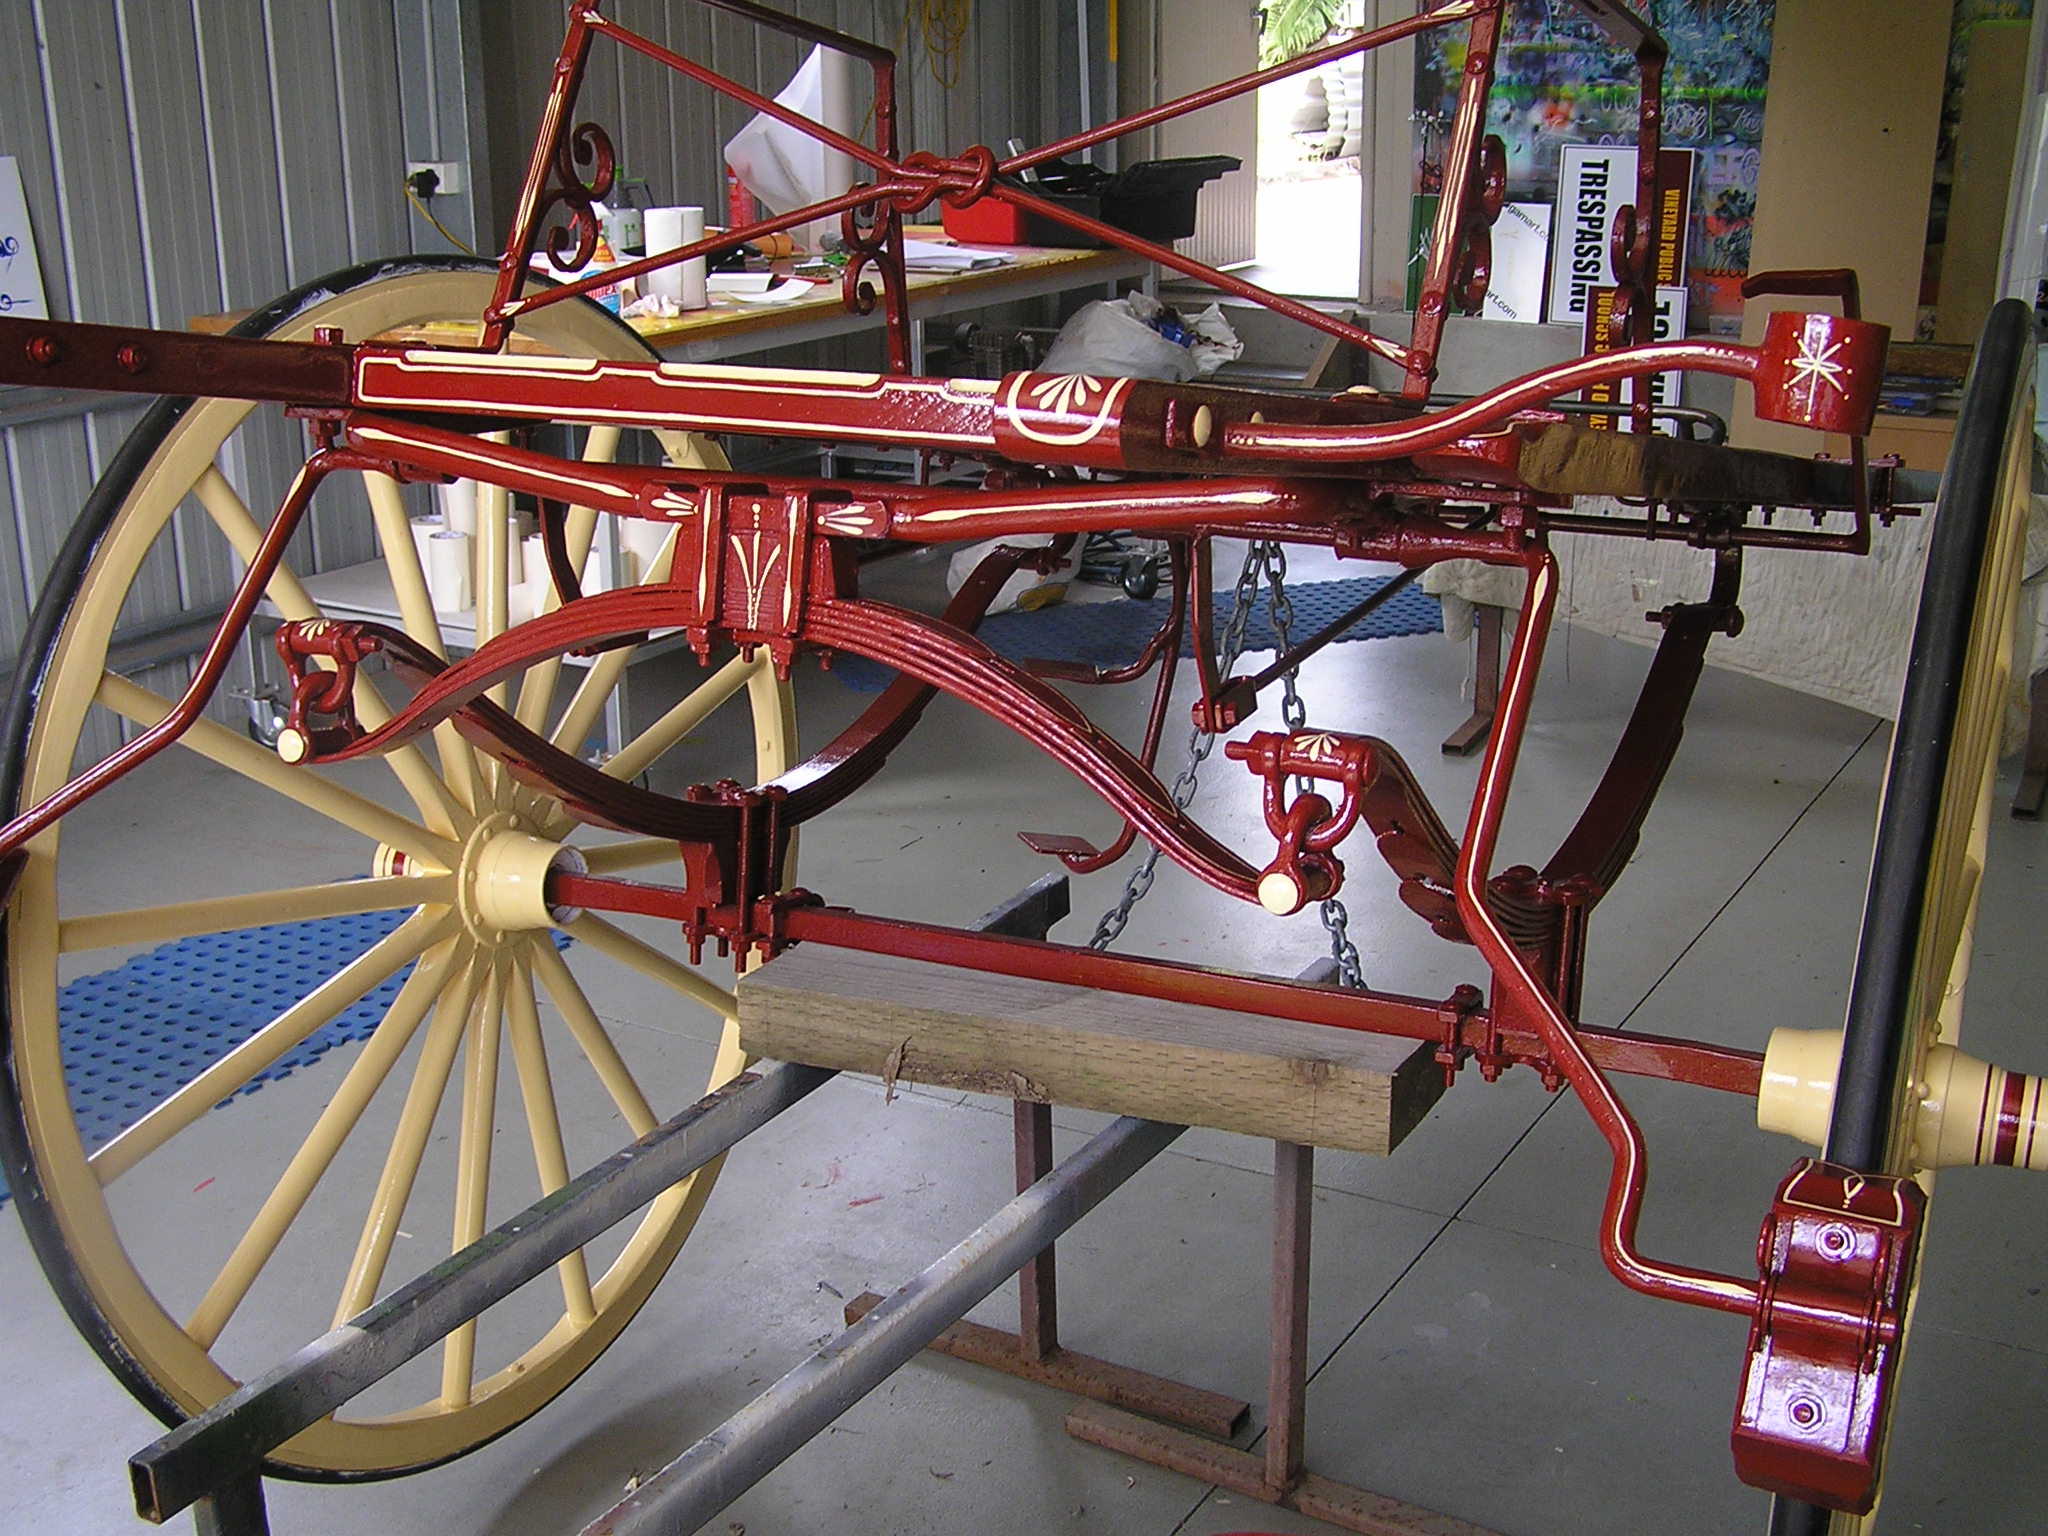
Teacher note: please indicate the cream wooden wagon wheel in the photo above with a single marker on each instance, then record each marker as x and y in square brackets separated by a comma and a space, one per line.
[1913, 955]
[415, 1112]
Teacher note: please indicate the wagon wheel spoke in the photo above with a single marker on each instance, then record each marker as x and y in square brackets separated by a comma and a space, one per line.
[409, 1143]
[544, 1122]
[366, 1074]
[394, 1125]
[473, 1168]
[259, 765]
[608, 938]
[233, 1072]
[238, 525]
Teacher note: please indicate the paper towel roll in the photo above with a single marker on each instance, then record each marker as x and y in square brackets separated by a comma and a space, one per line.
[665, 233]
[643, 540]
[533, 552]
[448, 571]
[423, 529]
[458, 506]
[695, 294]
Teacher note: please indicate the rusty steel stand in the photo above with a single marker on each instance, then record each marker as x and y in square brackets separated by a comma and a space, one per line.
[1279, 1475]
[1034, 1351]
[1171, 1424]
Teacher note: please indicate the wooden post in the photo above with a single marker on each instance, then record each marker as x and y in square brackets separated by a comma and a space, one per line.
[1469, 737]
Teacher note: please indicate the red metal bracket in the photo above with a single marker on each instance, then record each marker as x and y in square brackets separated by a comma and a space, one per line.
[1306, 868]
[1837, 1255]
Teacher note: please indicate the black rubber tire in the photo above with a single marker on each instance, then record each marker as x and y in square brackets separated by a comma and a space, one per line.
[45, 626]
[1873, 1098]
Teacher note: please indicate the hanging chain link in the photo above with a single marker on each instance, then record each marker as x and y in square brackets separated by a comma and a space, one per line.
[1200, 742]
[1265, 562]
[1336, 921]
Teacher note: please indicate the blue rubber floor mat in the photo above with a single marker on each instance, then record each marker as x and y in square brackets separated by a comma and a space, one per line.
[1107, 634]
[134, 1035]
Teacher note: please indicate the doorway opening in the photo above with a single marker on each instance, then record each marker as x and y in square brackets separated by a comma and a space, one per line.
[1309, 210]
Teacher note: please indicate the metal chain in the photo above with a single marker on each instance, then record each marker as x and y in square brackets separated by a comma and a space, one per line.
[1336, 921]
[1200, 743]
[1264, 561]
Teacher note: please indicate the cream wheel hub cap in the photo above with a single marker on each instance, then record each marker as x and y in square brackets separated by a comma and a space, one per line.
[503, 879]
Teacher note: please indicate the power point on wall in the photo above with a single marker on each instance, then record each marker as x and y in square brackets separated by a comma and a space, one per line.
[434, 178]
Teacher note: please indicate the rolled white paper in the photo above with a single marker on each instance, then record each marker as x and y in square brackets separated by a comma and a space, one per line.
[643, 540]
[448, 571]
[533, 555]
[522, 602]
[423, 529]
[693, 271]
[664, 227]
[458, 506]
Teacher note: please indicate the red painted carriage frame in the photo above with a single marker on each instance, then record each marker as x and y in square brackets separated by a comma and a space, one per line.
[770, 562]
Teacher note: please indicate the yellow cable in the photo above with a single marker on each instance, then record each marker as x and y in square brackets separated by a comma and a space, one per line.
[453, 239]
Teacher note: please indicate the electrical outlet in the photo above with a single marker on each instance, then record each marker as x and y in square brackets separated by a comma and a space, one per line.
[448, 172]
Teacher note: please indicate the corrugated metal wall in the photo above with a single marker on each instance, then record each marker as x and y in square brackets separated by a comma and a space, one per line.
[671, 131]
[188, 157]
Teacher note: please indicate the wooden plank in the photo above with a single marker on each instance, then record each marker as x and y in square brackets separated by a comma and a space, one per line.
[1847, 163]
[915, 1022]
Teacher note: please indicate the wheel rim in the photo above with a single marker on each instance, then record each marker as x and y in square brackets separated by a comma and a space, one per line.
[484, 1000]
[1913, 956]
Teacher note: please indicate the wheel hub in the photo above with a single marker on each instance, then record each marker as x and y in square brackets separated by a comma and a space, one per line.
[502, 879]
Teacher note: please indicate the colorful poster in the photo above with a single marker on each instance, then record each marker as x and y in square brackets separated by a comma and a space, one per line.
[1560, 80]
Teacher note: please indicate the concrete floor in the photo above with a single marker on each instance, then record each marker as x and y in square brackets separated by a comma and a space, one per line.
[1470, 1353]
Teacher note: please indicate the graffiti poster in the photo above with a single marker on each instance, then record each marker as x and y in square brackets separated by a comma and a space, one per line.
[1562, 81]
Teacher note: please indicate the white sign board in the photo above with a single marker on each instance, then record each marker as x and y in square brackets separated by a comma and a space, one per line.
[21, 276]
[1521, 248]
[1665, 388]
[1592, 181]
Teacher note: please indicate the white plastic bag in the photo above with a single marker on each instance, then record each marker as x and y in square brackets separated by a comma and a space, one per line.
[785, 167]
[1106, 339]
[1114, 338]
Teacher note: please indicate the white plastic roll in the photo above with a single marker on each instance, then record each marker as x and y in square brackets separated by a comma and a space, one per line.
[458, 506]
[642, 540]
[423, 529]
[448, 571]
[693, 272]
[533, 552]
[664, 228]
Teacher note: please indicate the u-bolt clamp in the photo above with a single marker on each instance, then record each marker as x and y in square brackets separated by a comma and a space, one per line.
[1306, 868]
